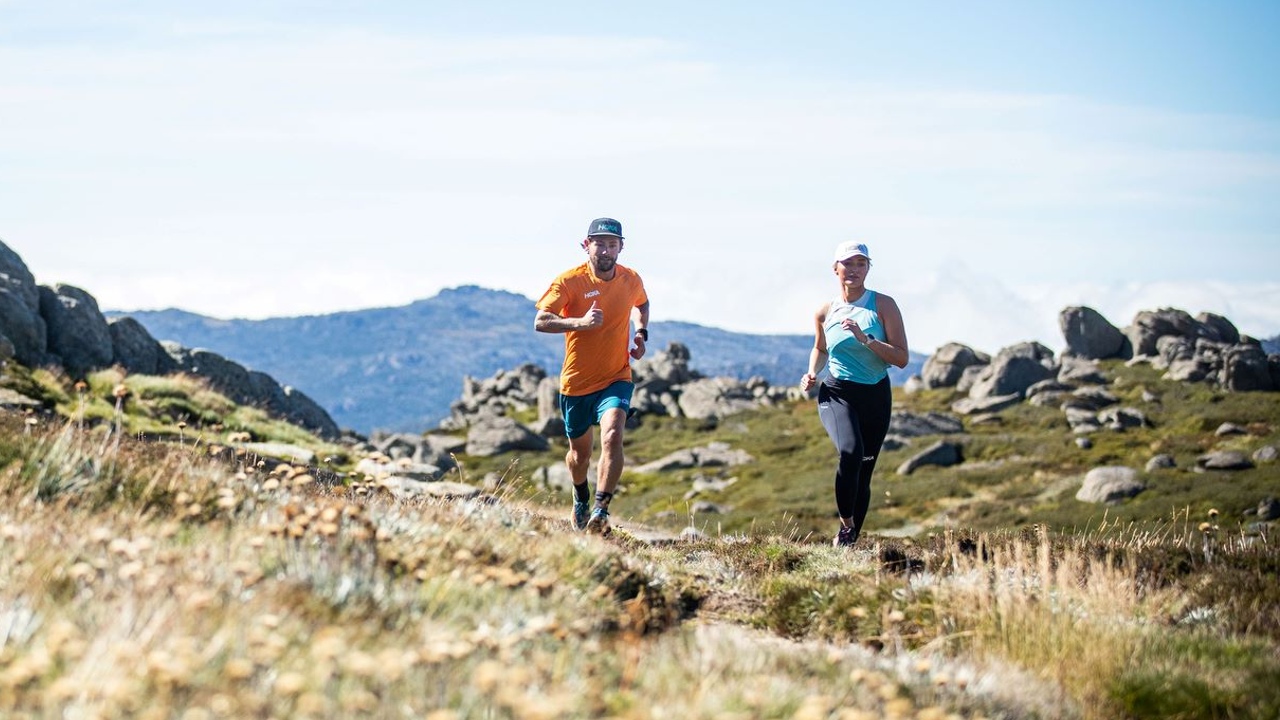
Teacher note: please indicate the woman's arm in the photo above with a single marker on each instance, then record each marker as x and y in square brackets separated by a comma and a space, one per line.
[818, 355]
[893, 349]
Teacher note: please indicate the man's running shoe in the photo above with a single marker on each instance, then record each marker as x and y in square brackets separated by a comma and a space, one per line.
[581, 511]
[599, 522]
[845, 538]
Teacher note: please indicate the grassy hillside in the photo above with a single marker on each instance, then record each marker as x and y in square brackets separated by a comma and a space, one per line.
[1020, 469]
[182, 577]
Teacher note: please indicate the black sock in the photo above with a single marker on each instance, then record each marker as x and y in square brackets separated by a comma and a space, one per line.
[582, 493]
[603, 498]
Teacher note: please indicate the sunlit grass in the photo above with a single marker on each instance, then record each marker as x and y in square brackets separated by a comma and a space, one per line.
[150, 566]
[166, 579]
[1023, 469]
[176, 407]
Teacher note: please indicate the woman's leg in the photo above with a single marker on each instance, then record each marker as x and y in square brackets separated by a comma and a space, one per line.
[841, 423]
[872, 405]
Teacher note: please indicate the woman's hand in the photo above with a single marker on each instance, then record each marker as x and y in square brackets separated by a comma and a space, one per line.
[807, 381]
[851, 326]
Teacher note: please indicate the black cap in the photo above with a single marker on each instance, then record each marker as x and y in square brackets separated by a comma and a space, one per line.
[605, 226]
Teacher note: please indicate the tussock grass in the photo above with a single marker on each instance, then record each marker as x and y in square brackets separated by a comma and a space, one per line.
[151, 568]
[170, 579]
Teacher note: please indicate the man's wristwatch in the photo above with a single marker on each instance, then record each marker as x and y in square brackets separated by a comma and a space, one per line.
[644, 333]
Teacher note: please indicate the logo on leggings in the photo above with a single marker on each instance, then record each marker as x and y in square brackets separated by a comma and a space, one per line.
[865, 458]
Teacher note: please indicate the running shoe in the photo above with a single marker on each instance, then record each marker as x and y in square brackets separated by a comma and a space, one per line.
[581, 511]
[599, 522]
[845, 538]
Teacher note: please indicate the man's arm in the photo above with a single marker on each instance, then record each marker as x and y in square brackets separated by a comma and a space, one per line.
[549, 322]
[640, 316]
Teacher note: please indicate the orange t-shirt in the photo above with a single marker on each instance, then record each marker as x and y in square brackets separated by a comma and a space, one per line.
[596, 358]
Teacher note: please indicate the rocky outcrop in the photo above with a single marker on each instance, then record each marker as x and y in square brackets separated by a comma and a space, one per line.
[1076, 370]
[76, 332]
[975, 406]
[1224, 460]
[1014, 370]
[228, 377]
[716, 454]
[663, 371]
[507, 392]
[253, 388]
[1090, 335]
[1150, 325]
[1245, 367]
[1109, 485]
[136, 351]
[908, 425]
[947, 365]
[1217, 328]
[1204, 348]
[61, 325]
[664, 385]
[20, 319]
[942, 453]
[715, 398]
[491, 435]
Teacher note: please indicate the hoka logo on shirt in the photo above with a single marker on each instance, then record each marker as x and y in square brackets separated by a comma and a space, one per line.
[591, 294]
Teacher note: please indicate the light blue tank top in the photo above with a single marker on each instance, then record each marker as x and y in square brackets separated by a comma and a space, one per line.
[847, 358]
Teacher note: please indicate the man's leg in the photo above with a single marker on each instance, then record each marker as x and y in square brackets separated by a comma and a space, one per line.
[610, 413]
[578, 414]
[579, 456]
[610, 469]
[611, 425]
[579, 459]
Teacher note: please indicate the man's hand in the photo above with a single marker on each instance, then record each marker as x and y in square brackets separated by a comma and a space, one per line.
[594, 317]
[637, 352]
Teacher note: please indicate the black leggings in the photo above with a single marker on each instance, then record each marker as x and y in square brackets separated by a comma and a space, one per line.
[856, 417]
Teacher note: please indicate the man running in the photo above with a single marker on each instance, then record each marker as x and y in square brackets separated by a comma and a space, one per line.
[594, 305]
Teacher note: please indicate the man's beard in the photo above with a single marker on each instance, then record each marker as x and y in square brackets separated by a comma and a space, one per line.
[603, 263]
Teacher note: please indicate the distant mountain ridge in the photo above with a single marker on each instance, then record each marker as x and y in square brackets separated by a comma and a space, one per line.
[400, 368]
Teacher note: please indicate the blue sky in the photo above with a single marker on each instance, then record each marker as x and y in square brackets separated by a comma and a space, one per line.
[1002, 160]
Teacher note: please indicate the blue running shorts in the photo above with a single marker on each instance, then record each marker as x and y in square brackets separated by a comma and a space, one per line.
[582, 411]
